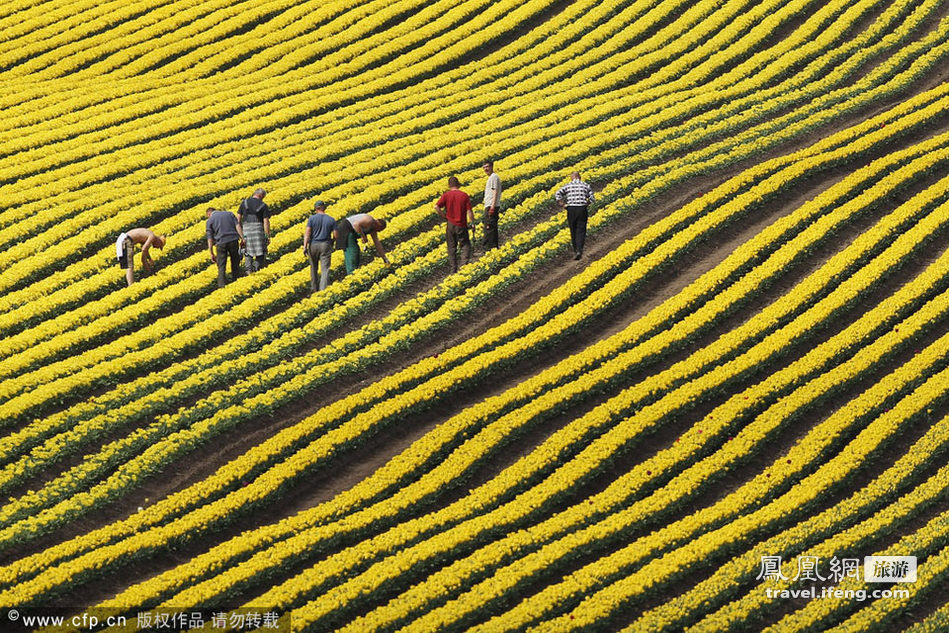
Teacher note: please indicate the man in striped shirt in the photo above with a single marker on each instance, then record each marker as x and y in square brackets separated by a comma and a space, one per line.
[576, 196]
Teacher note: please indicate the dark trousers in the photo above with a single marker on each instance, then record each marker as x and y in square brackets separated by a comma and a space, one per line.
[577, 221]
[491, 228]
[456, 236]
[230, 251]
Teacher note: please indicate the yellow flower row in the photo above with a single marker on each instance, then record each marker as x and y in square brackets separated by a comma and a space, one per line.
[863, 503]
[645, 417]
[672, 222]
[367, 110]
[661, 570]
[76, 41]
[679, 534]
[218, 99]
[435, 581]
[566, 392]
[932, 569]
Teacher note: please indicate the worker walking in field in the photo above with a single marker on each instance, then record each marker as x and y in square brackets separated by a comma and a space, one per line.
[253, 216]
[318, 245]
[455, 206]
[492, 206]
[224, 232]
[350, 230]
[125, 250]
[575, 197]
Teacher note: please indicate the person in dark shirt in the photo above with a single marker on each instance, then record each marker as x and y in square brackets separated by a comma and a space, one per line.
[318, 245]
[455, 206]
[253, 216]
[224, 232]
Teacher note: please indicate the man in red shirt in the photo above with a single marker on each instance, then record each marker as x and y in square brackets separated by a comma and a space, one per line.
[452, 206]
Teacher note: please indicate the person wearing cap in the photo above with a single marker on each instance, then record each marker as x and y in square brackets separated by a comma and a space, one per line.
[125, 250]
[318, 245]
[253, 216]
[348, 232]
[455, 206]
[224, 232]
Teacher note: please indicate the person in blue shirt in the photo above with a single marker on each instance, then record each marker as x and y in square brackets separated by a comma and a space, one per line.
[318, 245]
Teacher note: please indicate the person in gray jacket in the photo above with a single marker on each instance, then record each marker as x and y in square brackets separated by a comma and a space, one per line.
[224, 232]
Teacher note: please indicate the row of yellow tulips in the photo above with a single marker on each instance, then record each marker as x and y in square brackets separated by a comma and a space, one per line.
[427, 552]
[674, 221]
[849, 528]
[579, 586]
[587, 381]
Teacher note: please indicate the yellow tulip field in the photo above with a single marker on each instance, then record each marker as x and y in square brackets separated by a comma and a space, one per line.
[730, 414]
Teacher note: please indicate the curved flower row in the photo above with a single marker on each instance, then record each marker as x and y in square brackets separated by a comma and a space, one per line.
[769, 484]
[579, 588]
[178, 525]
[274, 103]
[394, 108]
[923, 544]
[845, 527]
[360, 588]
[581, 376]
[17, 385]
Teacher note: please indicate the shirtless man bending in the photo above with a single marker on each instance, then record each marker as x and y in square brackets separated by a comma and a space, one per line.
[125, 250]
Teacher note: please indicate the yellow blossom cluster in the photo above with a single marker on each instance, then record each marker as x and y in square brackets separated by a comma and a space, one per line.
[370, 105]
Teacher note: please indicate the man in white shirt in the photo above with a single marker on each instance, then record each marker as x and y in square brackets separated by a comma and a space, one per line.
[492, 206]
